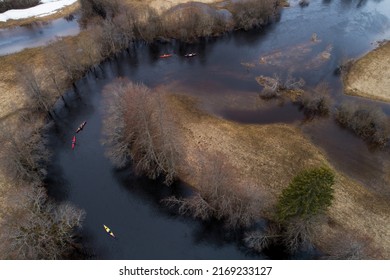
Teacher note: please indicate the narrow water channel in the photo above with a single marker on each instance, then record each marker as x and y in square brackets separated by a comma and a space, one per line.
[36, 34]
[130, 205]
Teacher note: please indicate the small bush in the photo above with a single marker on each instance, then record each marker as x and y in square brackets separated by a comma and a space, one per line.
[368, 122]
[253, 13]
[315, 102]
[309, 194]
[274, 87]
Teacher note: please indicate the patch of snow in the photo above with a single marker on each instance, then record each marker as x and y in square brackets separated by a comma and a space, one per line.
[46, 8]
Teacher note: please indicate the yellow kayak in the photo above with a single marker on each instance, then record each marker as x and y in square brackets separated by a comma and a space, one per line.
[109, 231]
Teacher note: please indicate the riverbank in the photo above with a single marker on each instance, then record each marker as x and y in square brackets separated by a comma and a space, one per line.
[62, 12]
[265, 158]
[369, 76]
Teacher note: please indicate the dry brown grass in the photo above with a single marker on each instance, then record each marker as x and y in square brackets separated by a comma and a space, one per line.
[266, 157]
[162, 5]
[12, 97]
[369, 76]
[60, 13]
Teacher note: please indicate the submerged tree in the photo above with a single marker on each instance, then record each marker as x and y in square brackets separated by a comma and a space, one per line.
[316, 102]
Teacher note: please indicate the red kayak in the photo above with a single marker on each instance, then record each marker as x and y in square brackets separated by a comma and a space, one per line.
[165, 55]
[80, 128]
[73, 142]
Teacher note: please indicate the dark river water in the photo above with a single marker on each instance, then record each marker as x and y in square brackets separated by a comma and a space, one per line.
[131, 206]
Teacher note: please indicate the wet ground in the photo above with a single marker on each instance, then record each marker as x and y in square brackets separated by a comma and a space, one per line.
[227, 88]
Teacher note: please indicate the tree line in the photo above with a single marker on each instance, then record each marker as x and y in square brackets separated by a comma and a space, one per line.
[186, 22]
[33, 226]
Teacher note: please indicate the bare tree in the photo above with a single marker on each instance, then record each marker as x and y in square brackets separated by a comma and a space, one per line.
[274, 87]
[299, 233]
[137, 127]
[37, 228]
[259, 240]
[32, 82]
[292, 83]
[316, 102]
[91, 47]
[118, 136]
[147, 23]
[253, 13]
[218, 196]
[196, 206]
[68, 58]
[24, 154]
[125, 25]
[367, 121]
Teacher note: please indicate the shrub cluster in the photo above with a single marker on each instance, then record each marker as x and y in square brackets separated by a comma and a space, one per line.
[137, 127]
[186, 22]
[315, 102]
[253, 13]
[274, 87]
[37, 228]
[368, 122]
[219, 196]
[33, 227]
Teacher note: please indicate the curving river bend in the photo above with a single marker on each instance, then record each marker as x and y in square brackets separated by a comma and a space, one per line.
[130, 205]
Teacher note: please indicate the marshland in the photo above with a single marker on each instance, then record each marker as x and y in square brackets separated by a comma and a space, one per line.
[256, 147]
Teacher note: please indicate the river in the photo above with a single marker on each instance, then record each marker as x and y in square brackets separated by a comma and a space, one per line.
[36, 34]
[131, 206]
